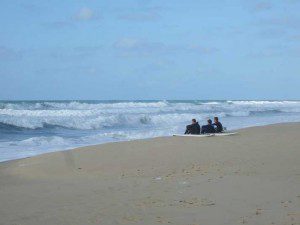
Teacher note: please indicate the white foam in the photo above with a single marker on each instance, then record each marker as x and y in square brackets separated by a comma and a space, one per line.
[77, 115]
[99, 122]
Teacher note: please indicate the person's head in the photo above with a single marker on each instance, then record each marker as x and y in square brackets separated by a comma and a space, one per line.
[216, 119]
[209, 121]
[194, 121]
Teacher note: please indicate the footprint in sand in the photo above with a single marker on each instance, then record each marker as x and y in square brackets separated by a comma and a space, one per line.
[286, 204]
[160, 219]
[243, 220]
[258, 211]
[294, 217]
[195, 202]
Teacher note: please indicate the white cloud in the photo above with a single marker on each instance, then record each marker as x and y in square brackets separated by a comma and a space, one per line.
[127, 43]
[202, 49]
[85, 14]
[75, 53]
[276, 51]
[262, 6]
[9, 54]
[139, 47]
[285, 22]
[58, 25]
[140, 17]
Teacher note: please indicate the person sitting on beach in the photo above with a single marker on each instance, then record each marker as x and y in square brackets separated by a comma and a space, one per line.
[218, 125]
[193, 128]
[209, 128]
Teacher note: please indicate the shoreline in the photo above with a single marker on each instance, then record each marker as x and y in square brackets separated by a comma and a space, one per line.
[120, 141]
[248, 178]
[36, 127]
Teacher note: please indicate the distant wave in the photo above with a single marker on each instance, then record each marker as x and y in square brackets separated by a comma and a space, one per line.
[266, 112]
[265, 103]
[80, 105]
[101, 115]
[9, 127]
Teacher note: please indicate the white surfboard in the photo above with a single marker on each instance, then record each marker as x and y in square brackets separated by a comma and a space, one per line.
[225, 134]
[205, 135]
[192, 135]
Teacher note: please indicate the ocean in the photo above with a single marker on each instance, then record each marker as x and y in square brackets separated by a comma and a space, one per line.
[29, 128]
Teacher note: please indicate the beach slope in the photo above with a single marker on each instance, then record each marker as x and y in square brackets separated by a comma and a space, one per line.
[249, 178]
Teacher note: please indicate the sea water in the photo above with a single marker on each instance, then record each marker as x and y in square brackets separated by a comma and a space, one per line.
[30, 128]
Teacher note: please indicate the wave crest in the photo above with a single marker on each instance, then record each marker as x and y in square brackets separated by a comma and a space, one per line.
[101, 115]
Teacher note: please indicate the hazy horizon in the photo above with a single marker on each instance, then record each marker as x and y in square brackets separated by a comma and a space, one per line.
[116, 100]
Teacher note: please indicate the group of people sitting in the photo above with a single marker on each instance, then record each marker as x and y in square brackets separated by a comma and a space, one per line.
[210, 128]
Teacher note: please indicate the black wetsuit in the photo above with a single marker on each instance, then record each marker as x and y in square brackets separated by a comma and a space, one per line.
[219, 127]
[208, 129]
[193, 129]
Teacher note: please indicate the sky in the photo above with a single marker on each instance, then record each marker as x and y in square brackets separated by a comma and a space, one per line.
[149, 49]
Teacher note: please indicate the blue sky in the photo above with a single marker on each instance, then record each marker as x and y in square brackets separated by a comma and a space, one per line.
[149, 49]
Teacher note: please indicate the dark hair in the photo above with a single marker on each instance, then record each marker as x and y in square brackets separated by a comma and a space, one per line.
[209, 121]
[194, 120]
[216, 118]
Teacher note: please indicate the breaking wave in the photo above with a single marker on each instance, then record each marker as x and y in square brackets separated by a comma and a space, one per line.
[34, 126]
[92, 115]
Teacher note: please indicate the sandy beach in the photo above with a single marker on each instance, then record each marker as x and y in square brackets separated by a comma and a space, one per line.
[249, 178]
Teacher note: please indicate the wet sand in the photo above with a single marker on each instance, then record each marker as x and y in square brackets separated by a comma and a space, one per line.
[249, 178]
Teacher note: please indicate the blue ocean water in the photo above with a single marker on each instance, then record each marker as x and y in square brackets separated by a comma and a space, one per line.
[29, 128]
